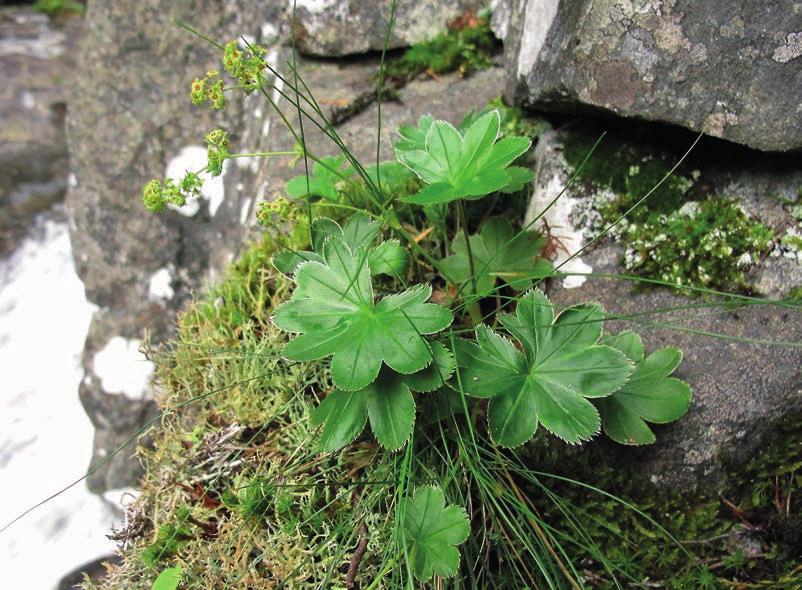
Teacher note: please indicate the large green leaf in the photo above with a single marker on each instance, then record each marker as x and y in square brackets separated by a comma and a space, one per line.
[387, 403]
[432, 532]
[459, 165]
[324, 179]
[649, 395]
[498, 253]
[561, 364]
[333, 311]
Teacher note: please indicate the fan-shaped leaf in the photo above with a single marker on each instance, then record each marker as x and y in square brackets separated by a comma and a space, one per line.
[498, 253]
[561, 365]
[432, 532]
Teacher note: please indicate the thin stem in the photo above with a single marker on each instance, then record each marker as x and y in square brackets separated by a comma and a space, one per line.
[380, 88]
[262, 154]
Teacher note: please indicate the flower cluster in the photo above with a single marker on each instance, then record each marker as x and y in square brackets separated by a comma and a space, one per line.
[157, 195]
[217, 151]
[279, 209]
[209, 88]
[245, 65]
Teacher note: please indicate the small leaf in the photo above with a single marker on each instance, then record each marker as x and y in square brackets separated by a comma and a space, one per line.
[498, 254]
[432, 532]
[649, 395]
[169, 579]
[323, 179]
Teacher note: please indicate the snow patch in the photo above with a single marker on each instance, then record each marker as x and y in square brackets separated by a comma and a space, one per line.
[159, 286]
[121, 498]
[122, 368]
[46, 438]
[192, 158]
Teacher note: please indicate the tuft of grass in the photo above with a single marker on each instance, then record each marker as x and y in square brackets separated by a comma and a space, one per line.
[54, 8]
[467, 48]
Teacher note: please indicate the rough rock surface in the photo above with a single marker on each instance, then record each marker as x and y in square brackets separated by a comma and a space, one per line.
[742, 388]
[730, 70]
[343, 27]
[36, 64]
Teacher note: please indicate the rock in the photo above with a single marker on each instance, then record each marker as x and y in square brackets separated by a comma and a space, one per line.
[728, 71]
[131, 120]
[36, 63]
[344, 27]
[743, 386]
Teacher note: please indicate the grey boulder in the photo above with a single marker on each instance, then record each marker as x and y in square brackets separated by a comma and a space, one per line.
[731, 70]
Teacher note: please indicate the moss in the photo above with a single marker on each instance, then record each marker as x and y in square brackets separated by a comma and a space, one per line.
[706, 244]
[758, 502]
[709, 243]
[56, 8]
[630, 170]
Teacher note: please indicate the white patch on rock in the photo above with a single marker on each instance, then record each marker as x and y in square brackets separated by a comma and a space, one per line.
[159, 286]
[245, 211]
[48, 44]
[278, 83]
[122, 368]
[791, 49]
[28, 100]
[314, 6]
[537, 24]
[244, 163]
[192, 158]
[72, 180]
[551, 175]
[268, 30]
